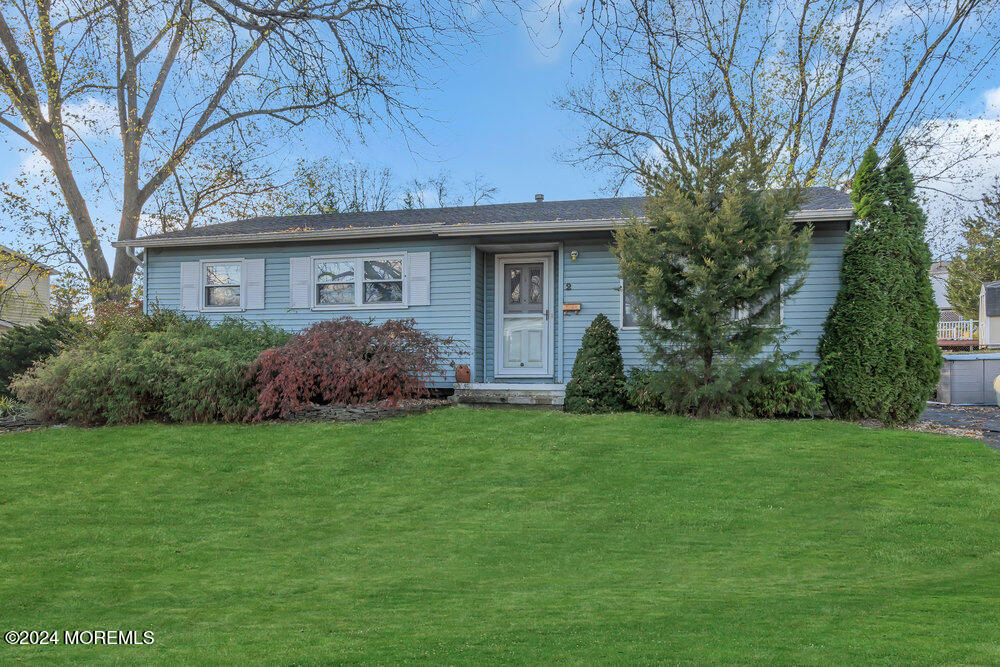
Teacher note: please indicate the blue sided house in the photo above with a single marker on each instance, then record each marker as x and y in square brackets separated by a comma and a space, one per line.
[515, 284]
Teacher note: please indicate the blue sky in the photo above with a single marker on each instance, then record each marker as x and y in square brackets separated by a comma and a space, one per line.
[494, 115]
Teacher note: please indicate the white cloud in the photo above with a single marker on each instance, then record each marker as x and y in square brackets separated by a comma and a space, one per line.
[957, 161]
[92, 119]
[992, 99]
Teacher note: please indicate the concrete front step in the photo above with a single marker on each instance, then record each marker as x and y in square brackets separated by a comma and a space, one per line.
[542, 395]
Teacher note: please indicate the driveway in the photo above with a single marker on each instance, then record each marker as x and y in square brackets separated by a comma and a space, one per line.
[982, 418]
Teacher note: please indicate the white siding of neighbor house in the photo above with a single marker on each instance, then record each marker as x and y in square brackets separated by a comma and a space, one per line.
[24, 293]
[461, 299]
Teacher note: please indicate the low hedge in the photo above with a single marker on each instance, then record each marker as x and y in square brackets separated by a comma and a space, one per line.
[164, 367]
[24, 345]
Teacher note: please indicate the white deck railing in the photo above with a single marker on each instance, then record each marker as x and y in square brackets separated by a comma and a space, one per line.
[961, 330]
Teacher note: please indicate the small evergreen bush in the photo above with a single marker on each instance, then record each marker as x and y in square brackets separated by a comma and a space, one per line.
[639, 393]
[785, 392]
[347, 361]
[597, 383]
[163, 367]
[22, 346]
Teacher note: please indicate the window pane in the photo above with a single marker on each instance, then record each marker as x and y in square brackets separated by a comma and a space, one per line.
[222, 274]
[334, 271]
[514, 285]
[341, 293]
[535, 293]
[222, 296]
[630, 317]
[384, 269]
[384, 292]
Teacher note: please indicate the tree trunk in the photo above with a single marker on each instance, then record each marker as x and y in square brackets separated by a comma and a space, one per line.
[97, 265]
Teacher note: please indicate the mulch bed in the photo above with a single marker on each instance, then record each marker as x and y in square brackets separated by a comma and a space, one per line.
[18, 422]
[368, 412]
[318, 413]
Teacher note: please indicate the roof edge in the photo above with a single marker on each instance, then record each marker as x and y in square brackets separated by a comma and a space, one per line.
[434, 229]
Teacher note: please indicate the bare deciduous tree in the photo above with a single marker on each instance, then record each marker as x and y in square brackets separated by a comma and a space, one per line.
[329, 186]
[437, 191]
[816, 81]
[180, 73]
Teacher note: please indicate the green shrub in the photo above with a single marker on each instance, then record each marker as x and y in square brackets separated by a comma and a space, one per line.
[597, 383]
[879, 357]
[786, 392]
[162, 367]
[22, 346]
[8, 407]
[639, 393]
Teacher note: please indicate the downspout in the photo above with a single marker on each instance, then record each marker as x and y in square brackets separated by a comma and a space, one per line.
[472, 319]
[141, 262]
[559, 310]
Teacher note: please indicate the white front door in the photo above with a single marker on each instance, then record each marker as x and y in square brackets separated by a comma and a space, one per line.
[524, 315]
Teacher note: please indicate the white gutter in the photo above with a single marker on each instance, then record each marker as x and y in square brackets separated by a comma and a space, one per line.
[275, 237]
[432, 229]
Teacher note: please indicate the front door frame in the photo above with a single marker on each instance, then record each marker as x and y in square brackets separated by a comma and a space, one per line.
[499, 286]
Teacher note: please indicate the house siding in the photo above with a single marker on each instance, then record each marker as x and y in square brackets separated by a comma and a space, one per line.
[462, 294]
[451, 297]
[593, 282]
[28, 300]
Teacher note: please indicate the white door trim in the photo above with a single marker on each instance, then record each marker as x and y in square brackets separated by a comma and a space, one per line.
[546, 258]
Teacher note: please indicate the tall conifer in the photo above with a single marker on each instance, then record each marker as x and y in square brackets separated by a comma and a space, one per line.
[879, 358]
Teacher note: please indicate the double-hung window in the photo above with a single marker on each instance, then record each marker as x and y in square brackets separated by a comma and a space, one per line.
[358, 282]
[222, 283]
[630, 308]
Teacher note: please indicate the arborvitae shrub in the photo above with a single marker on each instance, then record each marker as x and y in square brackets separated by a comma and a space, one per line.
[878, 353]
[597, 383]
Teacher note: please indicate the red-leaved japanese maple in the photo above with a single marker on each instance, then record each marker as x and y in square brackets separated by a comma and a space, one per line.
[348, 361]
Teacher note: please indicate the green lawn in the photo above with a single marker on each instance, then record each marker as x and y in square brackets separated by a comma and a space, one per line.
[464, 536]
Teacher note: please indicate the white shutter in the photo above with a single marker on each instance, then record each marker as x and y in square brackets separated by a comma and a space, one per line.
[418, 278]
[190, 285]
[299, 282]
[254, 281]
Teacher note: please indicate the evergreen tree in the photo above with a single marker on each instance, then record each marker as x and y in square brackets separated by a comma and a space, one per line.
[710, 271]
[875, 359]
[978, 260]
[915, 306]
[597, 383]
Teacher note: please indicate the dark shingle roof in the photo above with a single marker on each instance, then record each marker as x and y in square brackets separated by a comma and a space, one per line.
[611, 208]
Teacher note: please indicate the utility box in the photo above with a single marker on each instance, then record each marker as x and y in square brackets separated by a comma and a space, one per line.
[989, 315]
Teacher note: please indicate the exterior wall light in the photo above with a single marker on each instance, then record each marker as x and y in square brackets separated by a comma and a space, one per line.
[573, 254]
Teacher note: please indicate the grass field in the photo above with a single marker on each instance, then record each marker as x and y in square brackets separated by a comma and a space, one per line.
[466, 536]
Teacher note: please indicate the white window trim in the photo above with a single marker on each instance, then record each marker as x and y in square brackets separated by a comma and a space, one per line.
[205, 308]
[621, 308]
[359, 280]
[742, 313]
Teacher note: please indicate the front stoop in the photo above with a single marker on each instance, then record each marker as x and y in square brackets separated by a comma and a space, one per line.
[526, 395]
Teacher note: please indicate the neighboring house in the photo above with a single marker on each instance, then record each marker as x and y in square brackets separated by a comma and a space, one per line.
[939, 281]
[24, 289]
[517, 284]
[953, 331]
